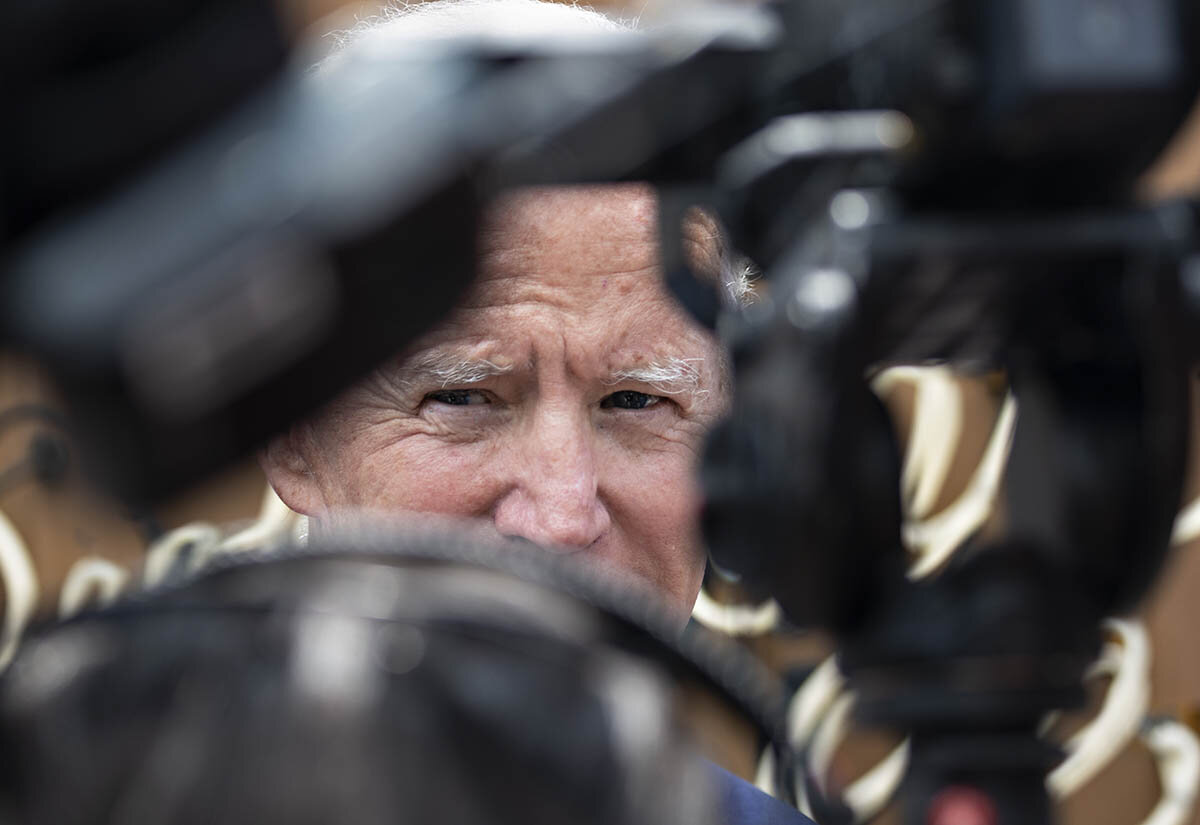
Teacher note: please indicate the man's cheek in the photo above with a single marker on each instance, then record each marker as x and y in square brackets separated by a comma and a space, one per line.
[431, 478]
[662, 496]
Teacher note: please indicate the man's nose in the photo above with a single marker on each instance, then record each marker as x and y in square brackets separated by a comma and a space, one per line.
[553, 496]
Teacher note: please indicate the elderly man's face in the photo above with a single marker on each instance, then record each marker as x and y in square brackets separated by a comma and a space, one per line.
[564, 401]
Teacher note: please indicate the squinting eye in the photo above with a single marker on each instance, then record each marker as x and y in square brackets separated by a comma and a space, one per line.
[459, 398]
[629, 400]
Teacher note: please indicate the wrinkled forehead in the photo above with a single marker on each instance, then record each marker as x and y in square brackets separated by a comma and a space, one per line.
[580, 265]
[616, 223]
[602, 203]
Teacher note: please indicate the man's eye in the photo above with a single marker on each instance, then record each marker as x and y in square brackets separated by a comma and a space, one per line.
[459, 398]
[629, 400]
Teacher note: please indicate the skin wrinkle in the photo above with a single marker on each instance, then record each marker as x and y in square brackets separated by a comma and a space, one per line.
[489, 290]
[566, 400]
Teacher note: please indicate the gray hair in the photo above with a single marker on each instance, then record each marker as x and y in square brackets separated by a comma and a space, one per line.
[518, 23]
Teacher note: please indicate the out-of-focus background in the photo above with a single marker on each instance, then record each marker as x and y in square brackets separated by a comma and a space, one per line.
[79, 541]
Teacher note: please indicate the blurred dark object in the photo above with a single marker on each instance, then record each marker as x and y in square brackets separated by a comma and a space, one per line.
[1076, 95]
[244, 280]
[384, 677]
[94, 92]
[972, 218]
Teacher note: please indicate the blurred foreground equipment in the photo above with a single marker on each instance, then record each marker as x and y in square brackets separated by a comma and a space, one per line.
[983, 214]
[375, 678]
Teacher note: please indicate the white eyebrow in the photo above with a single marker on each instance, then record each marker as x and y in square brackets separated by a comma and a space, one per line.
[448, 368]
[673, 376]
